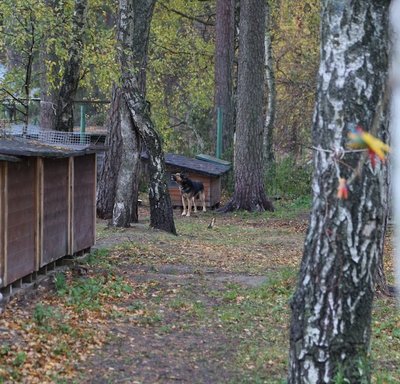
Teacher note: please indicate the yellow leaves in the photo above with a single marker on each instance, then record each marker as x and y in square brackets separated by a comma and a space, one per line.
[50, 338]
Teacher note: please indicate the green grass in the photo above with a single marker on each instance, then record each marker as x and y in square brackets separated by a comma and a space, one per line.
[288, 179]
[258, 318]
[253, 322]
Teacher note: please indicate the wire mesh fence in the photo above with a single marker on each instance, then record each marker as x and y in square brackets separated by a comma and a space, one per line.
[31, 132]
[64, 138]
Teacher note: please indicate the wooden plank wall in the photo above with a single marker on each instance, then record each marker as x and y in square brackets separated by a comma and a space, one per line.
[215, 191]
[3, 166]
[21, 219]
[47, 211]
[83, 202]
[55, 210]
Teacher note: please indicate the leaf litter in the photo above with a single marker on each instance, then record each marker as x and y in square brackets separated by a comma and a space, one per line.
[157, 308]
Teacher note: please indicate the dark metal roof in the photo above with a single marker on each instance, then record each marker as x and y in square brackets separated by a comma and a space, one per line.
[200, 166]
[16, 146]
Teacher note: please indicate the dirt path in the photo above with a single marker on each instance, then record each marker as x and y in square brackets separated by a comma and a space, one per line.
[172, 346]
[181, 340]
[195, 311]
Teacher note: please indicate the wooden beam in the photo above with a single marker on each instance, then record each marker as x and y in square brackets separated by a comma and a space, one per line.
[70, 205]
[94, 198]
[5, 220]
[39, 190]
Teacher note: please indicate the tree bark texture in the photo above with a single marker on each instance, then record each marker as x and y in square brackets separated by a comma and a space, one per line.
[107, 180]
[135, 123]
[224, 59]
[161, 210]
[72, 74]
[143, 10]
[117, 192]
[395, 129]
[28, 69]
[331, 308]
[269, 156]
[126, 196]
[48, 95]
[248, 160]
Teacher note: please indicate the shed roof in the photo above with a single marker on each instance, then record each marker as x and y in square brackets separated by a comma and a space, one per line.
[195, 165]
[17, 146]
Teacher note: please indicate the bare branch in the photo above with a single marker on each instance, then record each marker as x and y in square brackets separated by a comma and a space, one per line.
[193, 18]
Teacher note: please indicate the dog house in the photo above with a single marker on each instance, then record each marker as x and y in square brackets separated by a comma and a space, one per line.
[203, 168]
[47, 204]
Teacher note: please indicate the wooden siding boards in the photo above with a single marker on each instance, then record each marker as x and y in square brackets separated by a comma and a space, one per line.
[47, 205]
[21, 220]
[3, 166]
[84, 210]
[55, 209]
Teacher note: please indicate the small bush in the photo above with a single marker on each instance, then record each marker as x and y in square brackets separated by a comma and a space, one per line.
[42, 314]
[60, 282]
[288, 180]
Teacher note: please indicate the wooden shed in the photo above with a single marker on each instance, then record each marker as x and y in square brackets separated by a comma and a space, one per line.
[203, 168]
[47, 204]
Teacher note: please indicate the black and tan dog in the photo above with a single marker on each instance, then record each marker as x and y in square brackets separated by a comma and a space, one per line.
[190, 190]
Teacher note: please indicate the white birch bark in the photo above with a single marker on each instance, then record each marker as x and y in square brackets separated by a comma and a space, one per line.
[331, 308]
[271, 92]
[395, 128]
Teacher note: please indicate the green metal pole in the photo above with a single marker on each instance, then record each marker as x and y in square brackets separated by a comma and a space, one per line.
[83, 124]
[219, 133]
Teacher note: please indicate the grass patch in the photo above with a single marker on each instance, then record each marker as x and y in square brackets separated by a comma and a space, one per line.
[245, 329]
[288, 179]
[385, 346]
[258, 318]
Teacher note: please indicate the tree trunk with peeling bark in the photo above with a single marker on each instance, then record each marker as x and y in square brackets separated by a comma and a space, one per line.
[107, 179]
[117, 192]
[130, 125]
[118, 187]
[161, 212]
[269, 155]
[331, 308]
[249, 191]
[72, 74]
[395, 129]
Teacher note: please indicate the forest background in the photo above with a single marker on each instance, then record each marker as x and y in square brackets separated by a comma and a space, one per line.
[36, 49]
[180, 73]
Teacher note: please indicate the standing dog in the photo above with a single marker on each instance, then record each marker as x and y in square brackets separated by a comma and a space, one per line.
[190, 190]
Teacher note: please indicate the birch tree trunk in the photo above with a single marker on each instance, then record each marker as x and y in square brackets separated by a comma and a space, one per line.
[108, 177]
[132, 124]
[395, 127]
[161, 210]
[118, 186]
[271, 92]
[331, 308]
[71, 77]
[249, 191]
[117, 192]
